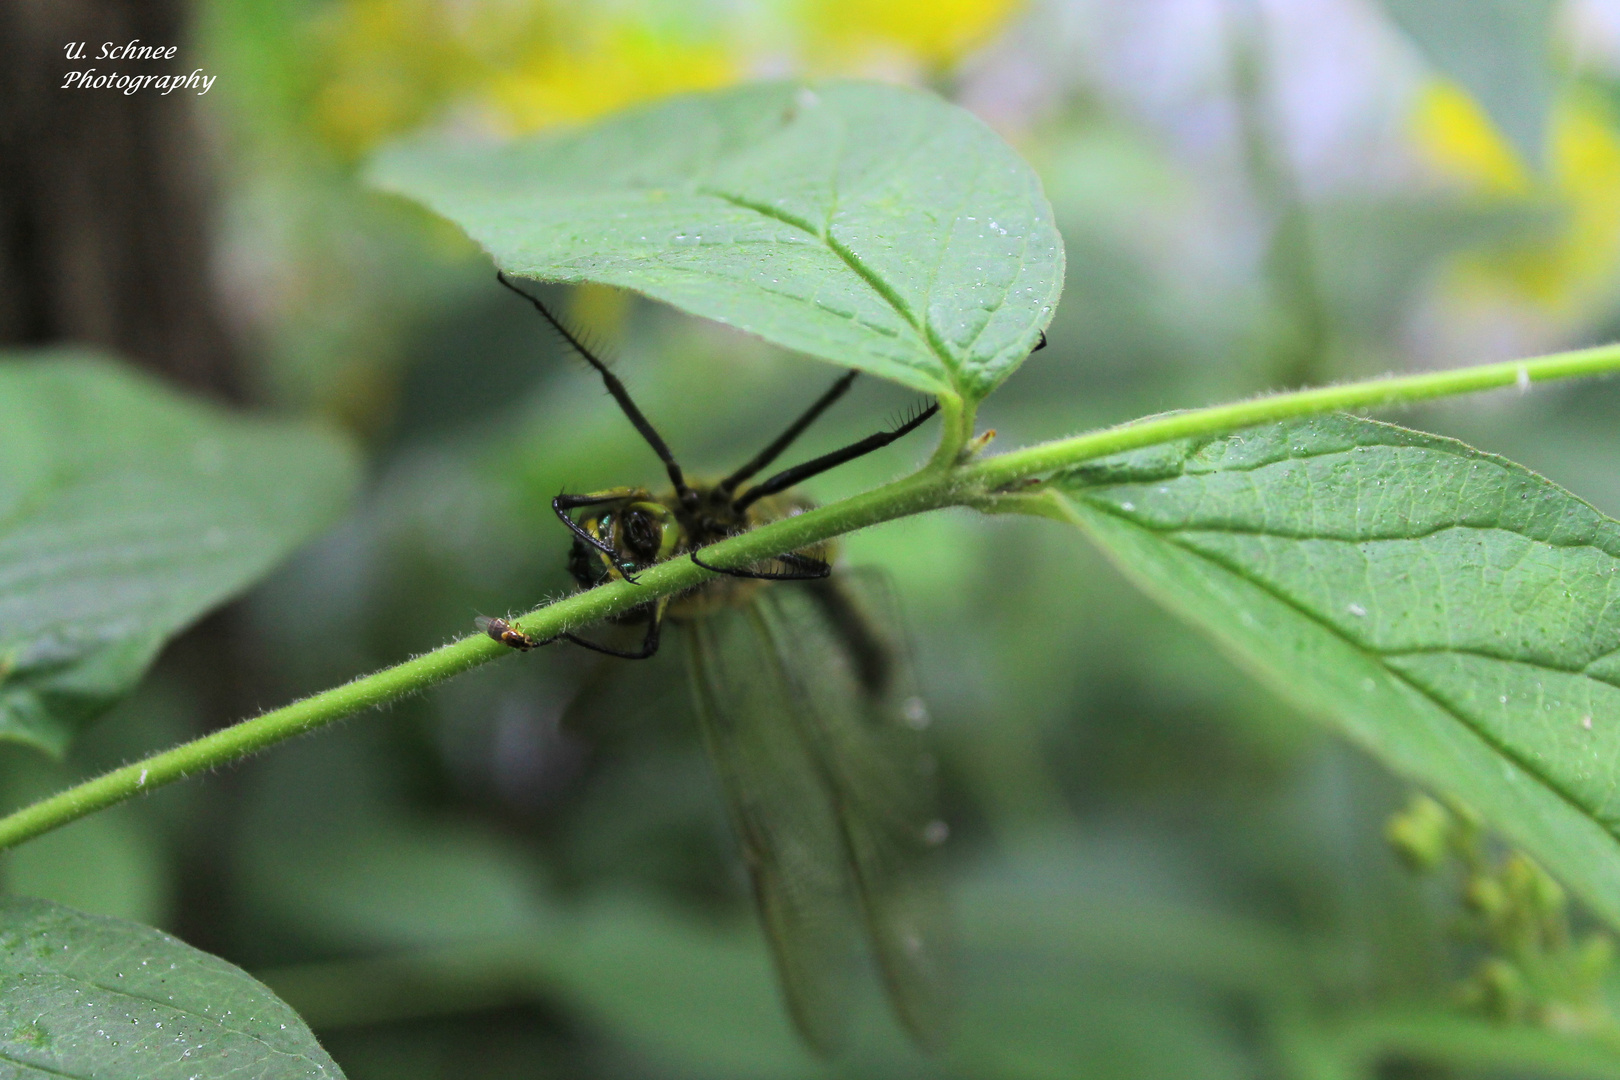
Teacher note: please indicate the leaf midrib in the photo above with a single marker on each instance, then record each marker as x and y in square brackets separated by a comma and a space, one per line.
[873, 280]
[1376, 658]
[1181, 471]
[1425, 534]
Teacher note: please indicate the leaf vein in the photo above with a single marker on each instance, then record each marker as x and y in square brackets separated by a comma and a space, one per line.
[1486, 654]
[203, 1018]
[46, 1069]
[1281, 534]
[873, 280]
[1311, 616]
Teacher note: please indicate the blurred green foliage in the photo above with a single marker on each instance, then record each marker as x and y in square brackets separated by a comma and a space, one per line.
[1159, 870]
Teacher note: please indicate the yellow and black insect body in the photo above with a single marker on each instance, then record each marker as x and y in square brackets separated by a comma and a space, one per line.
[807, 712]
[644, 530]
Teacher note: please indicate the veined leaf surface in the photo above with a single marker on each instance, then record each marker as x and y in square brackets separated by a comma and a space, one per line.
[872, 226]
[85, 995]
[1453, 612]
[126, 511]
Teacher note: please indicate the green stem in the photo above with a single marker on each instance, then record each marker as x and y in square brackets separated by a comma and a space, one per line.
[935, 486]
[1392, 390]
[956, 428]
[919, 492]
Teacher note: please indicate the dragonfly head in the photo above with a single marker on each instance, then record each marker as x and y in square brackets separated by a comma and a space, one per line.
[641, 529]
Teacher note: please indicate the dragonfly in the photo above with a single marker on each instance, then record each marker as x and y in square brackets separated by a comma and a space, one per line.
[808, 714]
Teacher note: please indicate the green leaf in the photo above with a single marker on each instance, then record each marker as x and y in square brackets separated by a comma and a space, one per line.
[85, 995]
[1453, 612]
[126, 511]
[1501, 53]
[872, 226]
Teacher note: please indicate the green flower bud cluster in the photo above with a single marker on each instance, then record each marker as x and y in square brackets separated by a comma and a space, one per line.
[1534, 970]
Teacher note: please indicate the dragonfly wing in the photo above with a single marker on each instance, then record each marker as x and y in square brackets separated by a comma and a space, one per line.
[783, 814]
[841, 653]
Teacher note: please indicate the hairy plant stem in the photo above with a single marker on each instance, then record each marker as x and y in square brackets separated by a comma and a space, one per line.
[956, 428]
[981, 483]
[1394, 390]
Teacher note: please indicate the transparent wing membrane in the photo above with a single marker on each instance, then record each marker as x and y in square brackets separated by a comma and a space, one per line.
[863, 720]
[808, 712]
[784, 818]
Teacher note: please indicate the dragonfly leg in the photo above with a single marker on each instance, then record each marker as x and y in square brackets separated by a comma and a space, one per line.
[809, 568]
[649, 644]
[783, 441]
[616, 388]
[563, 503]
[816, 466]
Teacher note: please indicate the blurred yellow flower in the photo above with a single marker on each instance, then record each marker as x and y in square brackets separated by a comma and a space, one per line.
[383, 67]
[1463, 142]
[618, 65]
[932, 34]
[1574, 266]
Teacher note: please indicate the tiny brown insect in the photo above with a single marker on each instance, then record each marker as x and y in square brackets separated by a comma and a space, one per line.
[505, 633]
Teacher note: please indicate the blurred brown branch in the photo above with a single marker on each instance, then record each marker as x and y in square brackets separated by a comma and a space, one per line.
[105, 208]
